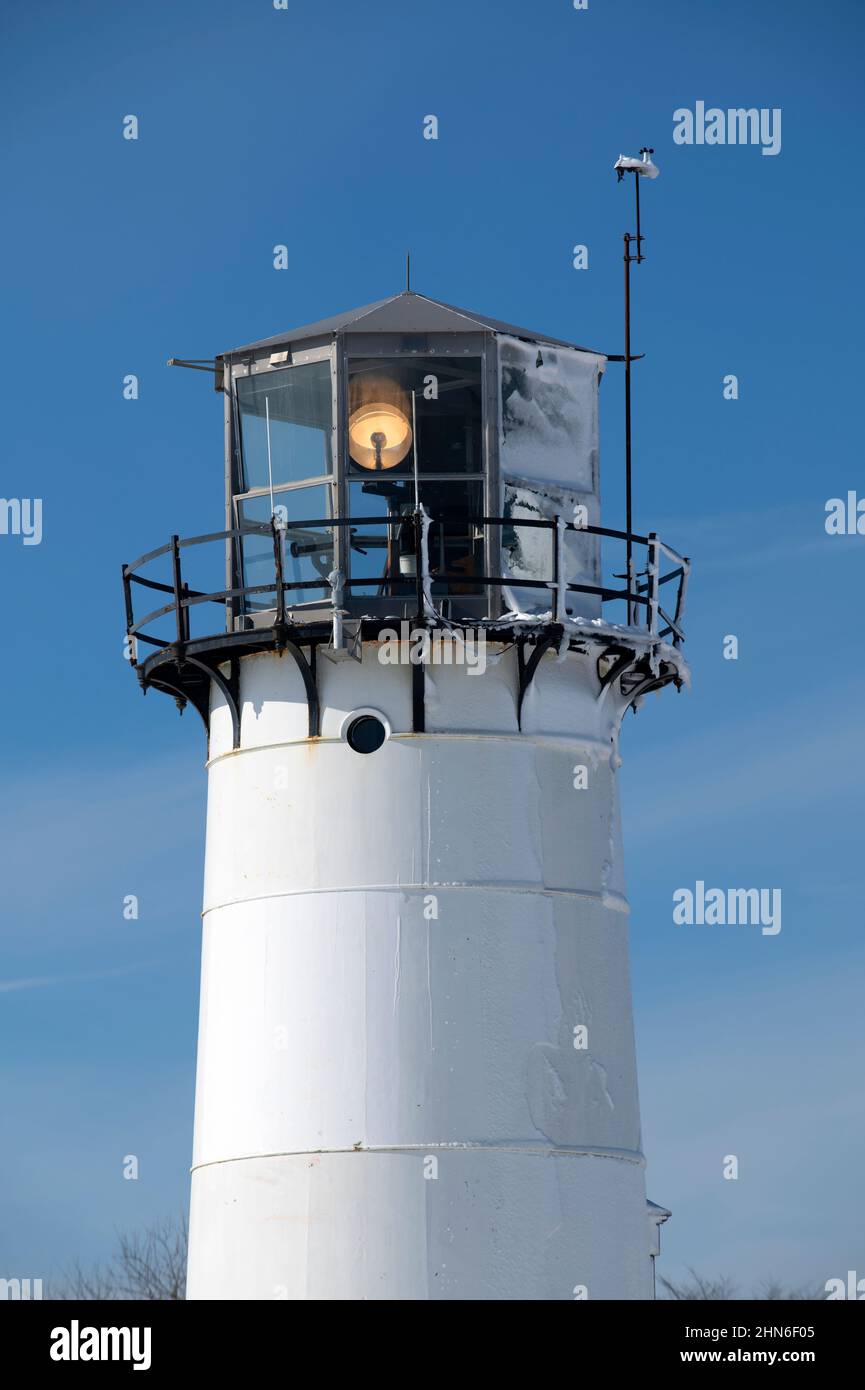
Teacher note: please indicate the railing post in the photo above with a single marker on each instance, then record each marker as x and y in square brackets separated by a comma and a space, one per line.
[559, 567]
[279, 625]
[336, 580]
[130, 617]
[653, 567]
[630, 582]
[420, 565]
[186, 613]
[178, 593]
[680, 599]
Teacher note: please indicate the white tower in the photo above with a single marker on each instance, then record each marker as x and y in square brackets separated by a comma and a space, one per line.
[416, 1073]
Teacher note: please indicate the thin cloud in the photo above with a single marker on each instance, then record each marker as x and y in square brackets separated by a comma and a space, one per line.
[46, 981]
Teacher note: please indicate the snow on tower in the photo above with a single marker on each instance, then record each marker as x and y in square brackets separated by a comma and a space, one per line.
[416, 1072]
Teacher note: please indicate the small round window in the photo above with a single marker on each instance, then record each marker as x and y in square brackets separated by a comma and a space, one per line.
[365, 734]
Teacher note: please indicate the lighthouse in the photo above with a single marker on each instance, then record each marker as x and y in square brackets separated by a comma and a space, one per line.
[412, 647]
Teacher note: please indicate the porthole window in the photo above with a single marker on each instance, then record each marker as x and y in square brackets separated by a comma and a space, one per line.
[365, 733]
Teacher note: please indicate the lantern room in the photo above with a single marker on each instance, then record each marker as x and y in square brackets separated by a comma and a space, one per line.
[342, 433]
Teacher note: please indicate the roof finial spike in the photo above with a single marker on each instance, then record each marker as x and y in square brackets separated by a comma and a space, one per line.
[407, 271]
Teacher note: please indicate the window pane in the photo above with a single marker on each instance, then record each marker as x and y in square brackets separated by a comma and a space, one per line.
[383, 551]
[307, 551]
[456, 543]
[549, 414]
[289, 411]
[447, 415]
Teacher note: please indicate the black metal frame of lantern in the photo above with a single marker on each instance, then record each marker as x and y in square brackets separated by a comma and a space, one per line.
[186, 665]
[337, 485]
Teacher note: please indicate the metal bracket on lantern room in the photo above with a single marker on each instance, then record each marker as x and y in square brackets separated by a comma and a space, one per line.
[526, 669]
[651, 682]
[624, 657]
[627, 665]
[307, 671]
[229, 687]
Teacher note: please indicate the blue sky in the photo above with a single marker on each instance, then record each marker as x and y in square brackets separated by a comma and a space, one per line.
[303, 127]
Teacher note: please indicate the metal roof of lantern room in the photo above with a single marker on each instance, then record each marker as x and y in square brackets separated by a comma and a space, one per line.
[406, 312]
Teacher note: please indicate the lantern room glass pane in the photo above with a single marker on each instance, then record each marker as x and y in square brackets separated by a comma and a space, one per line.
[383, 548]
[307, 550]
[445, 425]
[549, 401]
[286, 423]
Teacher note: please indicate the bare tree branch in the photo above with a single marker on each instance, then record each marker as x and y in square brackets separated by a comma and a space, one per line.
[721, 1289]
[148, 1265]
[714, 1290]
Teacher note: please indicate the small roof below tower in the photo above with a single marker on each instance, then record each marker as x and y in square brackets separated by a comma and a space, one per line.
[407, 312]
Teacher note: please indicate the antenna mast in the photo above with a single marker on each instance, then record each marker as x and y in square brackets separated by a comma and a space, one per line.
[640, 168]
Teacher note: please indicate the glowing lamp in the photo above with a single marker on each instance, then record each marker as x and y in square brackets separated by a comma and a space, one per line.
[379, 435]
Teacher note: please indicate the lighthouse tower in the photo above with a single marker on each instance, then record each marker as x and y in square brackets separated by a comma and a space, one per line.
[412, 648]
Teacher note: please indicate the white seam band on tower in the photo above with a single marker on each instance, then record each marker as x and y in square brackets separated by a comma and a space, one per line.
[538, 1151]
[604, 748]
[615, 901]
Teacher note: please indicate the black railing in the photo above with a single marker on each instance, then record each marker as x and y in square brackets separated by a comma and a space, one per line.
[640, 596]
